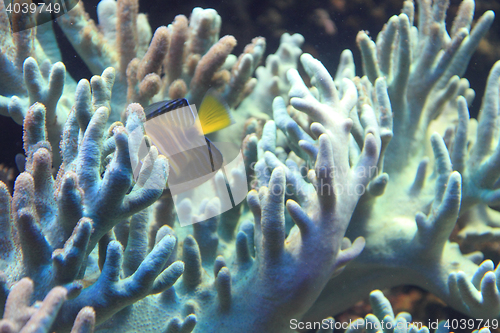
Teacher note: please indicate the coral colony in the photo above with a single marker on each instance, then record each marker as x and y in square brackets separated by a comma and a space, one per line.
[356, 183]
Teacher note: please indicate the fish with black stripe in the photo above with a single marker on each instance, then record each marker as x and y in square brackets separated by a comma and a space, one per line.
[179, 134]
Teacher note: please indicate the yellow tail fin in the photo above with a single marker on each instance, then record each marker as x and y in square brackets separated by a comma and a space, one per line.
[213, 114]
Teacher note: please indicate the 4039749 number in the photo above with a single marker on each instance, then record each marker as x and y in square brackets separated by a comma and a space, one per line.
[27, 14]
[33, 8]
[470, 324]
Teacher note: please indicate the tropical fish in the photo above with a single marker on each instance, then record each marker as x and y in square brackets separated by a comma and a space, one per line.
[178, 131]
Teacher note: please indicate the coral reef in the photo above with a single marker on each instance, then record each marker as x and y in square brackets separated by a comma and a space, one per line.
[19, 316]
[356, 183]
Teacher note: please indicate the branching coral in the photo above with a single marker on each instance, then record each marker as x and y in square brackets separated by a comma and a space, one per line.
[188, 53]
[356, 183]
[54, 224]
[25, 82]
[20, 317]
[410, 245]
[185, 59]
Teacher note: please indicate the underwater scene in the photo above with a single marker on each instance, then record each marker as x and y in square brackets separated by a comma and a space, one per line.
[249, 166]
